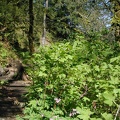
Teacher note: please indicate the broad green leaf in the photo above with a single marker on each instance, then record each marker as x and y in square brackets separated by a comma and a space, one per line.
[86, 99]
[96, 68]
[84, 117]
[114, 59]
[84, 114]
[107, 116]
[62, 76]
[62, 60]
[109, 98]
[114, 80]
[116, 91]
[50, 86]
[42, 74]
[43, 68]
[33, 103]
[104, 66]
[39, 89]
[69, 57]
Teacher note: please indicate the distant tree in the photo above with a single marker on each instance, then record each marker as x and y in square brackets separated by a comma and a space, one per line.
[44, 22]
[65, 17]
[61, 19]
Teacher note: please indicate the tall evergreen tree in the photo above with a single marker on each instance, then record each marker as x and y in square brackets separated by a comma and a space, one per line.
[63, 16]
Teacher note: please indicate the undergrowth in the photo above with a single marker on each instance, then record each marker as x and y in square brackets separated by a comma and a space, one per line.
[6, 53]
[74, 81]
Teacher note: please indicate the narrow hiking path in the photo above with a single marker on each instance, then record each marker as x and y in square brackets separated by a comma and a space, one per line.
[12, 99]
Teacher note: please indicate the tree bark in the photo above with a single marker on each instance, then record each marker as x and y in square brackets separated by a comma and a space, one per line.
[117, 24]
[31, 23]
[44, 23]
[116, 19]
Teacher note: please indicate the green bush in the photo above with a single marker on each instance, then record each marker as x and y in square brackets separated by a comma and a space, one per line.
[78, 81]
[6, 53]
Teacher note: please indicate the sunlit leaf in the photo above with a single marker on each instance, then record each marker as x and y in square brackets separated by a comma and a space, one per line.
[107, 116]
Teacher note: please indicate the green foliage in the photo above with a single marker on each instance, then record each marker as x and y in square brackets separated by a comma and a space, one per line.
[61, 17]
[2, 82]
[74, 81]
[64, 16]
[13, 23]
[6, 52]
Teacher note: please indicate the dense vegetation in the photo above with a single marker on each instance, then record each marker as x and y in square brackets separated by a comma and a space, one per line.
[75, 77]
[74, 80]
[27, 23]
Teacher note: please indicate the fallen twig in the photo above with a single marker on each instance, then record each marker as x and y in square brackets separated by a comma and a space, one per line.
[117, 112]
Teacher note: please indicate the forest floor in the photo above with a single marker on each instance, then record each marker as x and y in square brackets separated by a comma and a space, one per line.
[12, 99]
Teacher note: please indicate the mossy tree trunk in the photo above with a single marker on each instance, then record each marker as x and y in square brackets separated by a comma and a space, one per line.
[116, 19]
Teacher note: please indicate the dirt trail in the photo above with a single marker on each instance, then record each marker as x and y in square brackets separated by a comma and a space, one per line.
[12, 100]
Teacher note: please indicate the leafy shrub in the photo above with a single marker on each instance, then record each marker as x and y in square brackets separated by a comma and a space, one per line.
[77, 80]
[6, 53]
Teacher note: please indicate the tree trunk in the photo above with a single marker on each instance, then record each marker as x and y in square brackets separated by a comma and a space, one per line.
[117, 24]
[116, 19]
[44, 23]
[31, 23]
